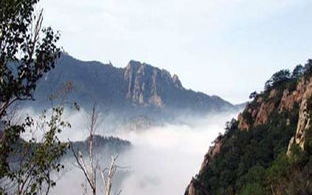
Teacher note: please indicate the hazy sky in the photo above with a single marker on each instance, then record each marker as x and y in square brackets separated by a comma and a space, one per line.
[224, 47]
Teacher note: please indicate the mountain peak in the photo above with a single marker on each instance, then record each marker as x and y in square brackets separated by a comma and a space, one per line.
[177, 81]
[138, 86]
[133, 64]
[143, 84]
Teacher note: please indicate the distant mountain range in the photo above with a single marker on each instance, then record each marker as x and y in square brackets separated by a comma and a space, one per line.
[138, 89]
[107, 146]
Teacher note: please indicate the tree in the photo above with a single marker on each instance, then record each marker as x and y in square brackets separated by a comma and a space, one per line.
[32, 161]
[27, 52]
[230, 127]
[308, 67]
[297, 72]
[91, 167]
[253, 95]
[277, 79]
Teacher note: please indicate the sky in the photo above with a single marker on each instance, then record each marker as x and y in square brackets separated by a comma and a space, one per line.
[227, 48]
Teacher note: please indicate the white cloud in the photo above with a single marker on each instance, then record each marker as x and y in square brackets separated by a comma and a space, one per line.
[162, 160]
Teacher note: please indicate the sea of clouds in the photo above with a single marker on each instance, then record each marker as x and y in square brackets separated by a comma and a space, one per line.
[162, 160]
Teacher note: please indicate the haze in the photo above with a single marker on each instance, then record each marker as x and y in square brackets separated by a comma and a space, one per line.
[219, 41]
[162, 159]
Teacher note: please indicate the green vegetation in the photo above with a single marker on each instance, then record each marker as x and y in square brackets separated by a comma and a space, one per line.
[254, 161]
[27, 52]
[245, 155]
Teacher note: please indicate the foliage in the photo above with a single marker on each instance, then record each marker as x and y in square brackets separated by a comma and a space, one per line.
[253, 95]
[277, 79]
[291, 175]
[255, 161]
[297, 72]
[32, 161]
[250, 161]
[283, 79]
[27, 52]
[247, 116]
[308, 68]
[230, 127]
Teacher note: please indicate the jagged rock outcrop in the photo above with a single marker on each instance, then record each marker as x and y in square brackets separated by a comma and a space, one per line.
[243, 125]
[264, 112]
[213, 150]
[303, 124]
[176, 81]
[289, 99]
[195, 187]
[300, 96]
[138, 87]
[304, 95]
[261, 109]
[257, 113]
[279, 108]
[145, 83]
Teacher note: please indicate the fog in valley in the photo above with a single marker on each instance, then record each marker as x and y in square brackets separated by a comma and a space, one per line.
[161, 160]
[164, 159]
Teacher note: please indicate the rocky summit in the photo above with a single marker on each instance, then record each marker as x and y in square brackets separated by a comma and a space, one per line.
[138, 87]
[268, 149]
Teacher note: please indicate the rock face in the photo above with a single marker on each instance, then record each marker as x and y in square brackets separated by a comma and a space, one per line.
[242, 122]
[145, 83]
[215, 149]
[259, 111]
[195, 187]
[300, 96]
[139, 87]
[303, 94]
[256, 114]
[303, 124]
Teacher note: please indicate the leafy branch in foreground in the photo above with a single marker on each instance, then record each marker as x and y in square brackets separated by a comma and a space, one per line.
[27, 52]
[33, 161]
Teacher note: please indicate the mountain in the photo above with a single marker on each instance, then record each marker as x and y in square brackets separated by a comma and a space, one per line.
[268, 149]
[106, 146]
[138, 89]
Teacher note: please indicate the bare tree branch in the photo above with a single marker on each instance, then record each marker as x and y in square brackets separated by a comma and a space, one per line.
[90, 170]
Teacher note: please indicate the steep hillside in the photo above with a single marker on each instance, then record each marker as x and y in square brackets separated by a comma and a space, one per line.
[150, 86]
[136, 90]
[83, 82]
[136, 85]
[268, 150]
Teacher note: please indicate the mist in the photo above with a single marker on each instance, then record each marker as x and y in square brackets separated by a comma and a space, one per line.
[162, 160]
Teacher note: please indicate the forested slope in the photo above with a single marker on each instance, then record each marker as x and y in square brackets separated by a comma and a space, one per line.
[268, 149]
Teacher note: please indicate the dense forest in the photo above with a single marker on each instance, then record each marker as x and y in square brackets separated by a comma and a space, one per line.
[257, 154]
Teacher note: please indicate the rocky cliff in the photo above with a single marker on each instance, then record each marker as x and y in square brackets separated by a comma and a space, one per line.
[146, 84]
[138, 88]
[303, 97]
[274, 123]
[258, 111]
